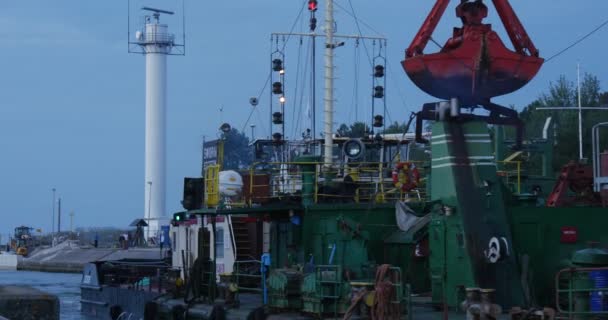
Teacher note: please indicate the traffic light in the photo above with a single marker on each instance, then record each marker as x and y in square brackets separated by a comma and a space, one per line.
[379, 92]
[379, 71]
[178, 218]
[277, 88]
[313, 5]
[277, 65]
[193, 193]
[313, 23]
[277, 137]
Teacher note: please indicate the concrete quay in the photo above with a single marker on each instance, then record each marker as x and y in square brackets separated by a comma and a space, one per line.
[26, 303]
[70, 257]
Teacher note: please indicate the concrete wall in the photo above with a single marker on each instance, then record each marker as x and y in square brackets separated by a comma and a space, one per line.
[8, 261]
[26, 303]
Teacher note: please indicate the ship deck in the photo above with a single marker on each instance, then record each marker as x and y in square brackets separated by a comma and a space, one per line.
[421, 310]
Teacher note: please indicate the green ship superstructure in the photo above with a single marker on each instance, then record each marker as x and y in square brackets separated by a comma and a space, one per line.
[468, 225]
[383, 231]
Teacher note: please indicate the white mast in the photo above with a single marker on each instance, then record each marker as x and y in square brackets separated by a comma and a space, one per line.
[156, 43]
[329, 82]
[580, 113]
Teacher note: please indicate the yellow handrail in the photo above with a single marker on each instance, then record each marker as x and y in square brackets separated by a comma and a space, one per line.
[212, 185]
[518, 165]
[373, 181]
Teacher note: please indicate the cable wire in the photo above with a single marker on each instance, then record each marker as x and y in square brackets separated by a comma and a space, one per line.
[357, 21]
[354, 16]
[578, 41]
[293, 26]
[296, 128]
[355, 96]
[295, 95]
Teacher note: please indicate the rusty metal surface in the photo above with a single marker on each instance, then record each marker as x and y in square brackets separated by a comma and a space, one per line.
[474, 65]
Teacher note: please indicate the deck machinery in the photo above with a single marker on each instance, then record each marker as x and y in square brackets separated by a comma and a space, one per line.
[22, 241]
[469, 231]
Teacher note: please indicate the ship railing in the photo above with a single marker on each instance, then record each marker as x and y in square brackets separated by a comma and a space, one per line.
[511, 172]
[140, 282]
[208, 284]
[581, 293]
[403, 291]
[329, 282]
[247, 277]
[371, 182]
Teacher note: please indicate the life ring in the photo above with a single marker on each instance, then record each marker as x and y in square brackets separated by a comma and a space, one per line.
[406, 176]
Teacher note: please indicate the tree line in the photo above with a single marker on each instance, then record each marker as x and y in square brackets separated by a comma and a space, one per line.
[561, 93]
[564, 93]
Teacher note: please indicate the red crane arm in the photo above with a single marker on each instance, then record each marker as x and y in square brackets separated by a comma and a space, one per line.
[519, 37]
[424, 34]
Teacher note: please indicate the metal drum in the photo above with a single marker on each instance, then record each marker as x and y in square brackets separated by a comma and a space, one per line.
[604, 164]
[598, 301]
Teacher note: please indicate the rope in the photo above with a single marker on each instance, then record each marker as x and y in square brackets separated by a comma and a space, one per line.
[384, 293]
[383, 308]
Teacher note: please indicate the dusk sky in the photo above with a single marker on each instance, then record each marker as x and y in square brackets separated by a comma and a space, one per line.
[72, 97]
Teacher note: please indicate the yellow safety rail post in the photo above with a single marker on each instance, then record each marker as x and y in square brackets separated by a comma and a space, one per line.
[369, 175]
[251, 180]
[316, 196]
[518, 171]
[518, 177]
[381, 181]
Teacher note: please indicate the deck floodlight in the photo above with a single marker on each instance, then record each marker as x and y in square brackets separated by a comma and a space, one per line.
[225, 128]
[354, 149]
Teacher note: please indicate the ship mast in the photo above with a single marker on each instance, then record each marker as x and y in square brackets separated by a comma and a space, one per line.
[329, 82]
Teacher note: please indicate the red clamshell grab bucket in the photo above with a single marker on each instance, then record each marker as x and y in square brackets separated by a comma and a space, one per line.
[474, 70]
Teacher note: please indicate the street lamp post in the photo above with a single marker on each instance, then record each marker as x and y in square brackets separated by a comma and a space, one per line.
[53, 222]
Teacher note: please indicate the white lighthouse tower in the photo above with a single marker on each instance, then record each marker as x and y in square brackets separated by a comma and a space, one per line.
[156, 44]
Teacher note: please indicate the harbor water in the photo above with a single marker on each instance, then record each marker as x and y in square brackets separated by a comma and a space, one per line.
[65, 286]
